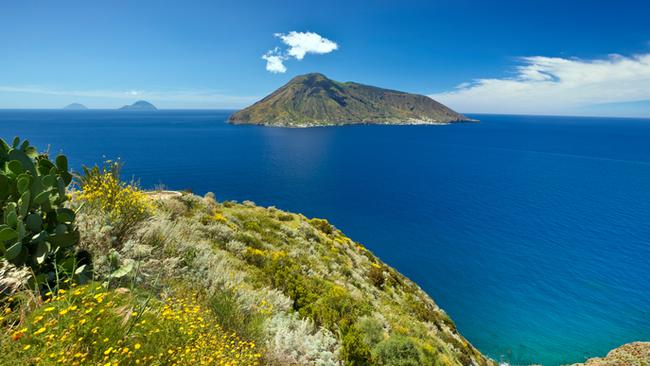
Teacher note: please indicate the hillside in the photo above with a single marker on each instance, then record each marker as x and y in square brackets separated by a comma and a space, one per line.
[322, 298]
[298, 287]
[314, 100]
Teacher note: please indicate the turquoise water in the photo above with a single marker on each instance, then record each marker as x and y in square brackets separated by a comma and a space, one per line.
[532, 232]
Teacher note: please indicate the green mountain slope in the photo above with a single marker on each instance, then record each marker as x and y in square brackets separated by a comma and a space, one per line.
[314, 100]
[320, 297]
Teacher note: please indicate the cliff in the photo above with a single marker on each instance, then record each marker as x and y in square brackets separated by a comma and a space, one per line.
[631, 354]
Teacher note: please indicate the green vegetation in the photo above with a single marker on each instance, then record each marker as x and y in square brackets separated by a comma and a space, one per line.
[90, 325]
[192, 281]
[314, 100]
[36, 230]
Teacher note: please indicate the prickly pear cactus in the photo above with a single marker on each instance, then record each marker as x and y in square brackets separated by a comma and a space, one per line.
[36, 229]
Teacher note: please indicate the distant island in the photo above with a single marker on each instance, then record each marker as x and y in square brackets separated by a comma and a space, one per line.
[314, 100]
[140, 105]
[75, 107]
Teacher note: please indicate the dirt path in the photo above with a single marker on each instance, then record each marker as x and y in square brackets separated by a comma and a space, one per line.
[161, 195]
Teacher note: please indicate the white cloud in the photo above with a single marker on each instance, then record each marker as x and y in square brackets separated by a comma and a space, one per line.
[275, 61]
[302, 43]
[298, 45]
[553, 85]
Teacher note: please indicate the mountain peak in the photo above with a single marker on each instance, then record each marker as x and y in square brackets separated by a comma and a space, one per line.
[309, 76]
[314, 100]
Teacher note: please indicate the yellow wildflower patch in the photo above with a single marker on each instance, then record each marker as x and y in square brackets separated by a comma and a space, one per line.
[120, 200]
[169, 331]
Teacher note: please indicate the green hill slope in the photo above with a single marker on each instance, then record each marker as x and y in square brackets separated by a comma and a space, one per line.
[324, 299]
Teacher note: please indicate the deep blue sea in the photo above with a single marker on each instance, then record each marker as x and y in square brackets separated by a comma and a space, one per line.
[532, 232]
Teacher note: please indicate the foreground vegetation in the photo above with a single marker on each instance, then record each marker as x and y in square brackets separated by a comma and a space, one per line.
[186, 280]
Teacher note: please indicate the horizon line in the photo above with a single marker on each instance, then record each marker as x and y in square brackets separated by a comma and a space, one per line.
[236, 109]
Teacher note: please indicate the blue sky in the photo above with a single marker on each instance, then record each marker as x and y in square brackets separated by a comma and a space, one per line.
[555, 57]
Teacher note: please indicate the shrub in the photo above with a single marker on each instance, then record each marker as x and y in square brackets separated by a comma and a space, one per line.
[372, 329]
[376, 275]
[322, 225]
[397, 351]
[355, 351]
[295, 341]
[285, 217]
[234, 317]
[125, 203]
[90, 325]
[36, 227]
[12, 278]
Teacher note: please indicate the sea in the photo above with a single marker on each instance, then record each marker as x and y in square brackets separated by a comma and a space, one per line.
[532, 232]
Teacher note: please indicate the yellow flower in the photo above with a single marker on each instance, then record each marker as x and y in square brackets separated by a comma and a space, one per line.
[27, 347]
[137, 346]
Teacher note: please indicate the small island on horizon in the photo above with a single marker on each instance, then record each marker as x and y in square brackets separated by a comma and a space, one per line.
[75, 107]
[314, 100]
[140, 105]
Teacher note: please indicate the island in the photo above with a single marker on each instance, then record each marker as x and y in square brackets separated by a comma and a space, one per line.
[75, 107]
[140, 105]
[314, 100]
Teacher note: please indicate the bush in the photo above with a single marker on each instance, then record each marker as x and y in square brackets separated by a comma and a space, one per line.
[322, 225]
[285, 217]
[125, 203]
[376, 275]
[296, 341]
[397, 351]
[36, 228]
[234, 317]
[12, 278]
[355, 351]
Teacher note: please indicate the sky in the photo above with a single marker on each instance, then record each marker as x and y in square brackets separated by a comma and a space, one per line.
[573, 57]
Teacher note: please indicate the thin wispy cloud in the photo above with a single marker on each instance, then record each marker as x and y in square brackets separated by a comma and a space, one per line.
[298, 44]
[203, 98]
[555, 85]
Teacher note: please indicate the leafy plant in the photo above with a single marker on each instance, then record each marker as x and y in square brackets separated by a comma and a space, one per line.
[36, 228]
